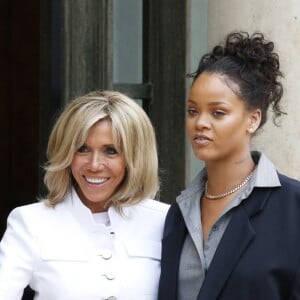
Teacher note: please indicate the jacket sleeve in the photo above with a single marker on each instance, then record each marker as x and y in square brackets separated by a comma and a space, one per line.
[16, 256]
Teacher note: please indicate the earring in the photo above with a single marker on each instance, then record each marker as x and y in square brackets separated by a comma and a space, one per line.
[251, 130]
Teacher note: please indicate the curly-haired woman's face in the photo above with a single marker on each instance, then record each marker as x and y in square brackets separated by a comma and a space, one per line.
[217, 121]
[97, 167]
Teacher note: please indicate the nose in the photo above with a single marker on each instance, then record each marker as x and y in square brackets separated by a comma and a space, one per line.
[97, 162]
[202, 121]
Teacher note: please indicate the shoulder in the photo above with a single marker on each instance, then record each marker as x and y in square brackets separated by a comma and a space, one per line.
[34, 214]
[284, 201]
[148, 209]
[25, 223]
[289, 181]
[144, 220]
[154, 206]
[28, 210]
[290, 188]
[174, 215]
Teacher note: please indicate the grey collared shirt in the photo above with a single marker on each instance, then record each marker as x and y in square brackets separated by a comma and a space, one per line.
[196, 257]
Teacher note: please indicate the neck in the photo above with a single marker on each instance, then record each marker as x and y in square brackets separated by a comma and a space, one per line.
[224, 176]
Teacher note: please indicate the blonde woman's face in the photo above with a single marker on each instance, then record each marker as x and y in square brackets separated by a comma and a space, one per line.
[98, 167]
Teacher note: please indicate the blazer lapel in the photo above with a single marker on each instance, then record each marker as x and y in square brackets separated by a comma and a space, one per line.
[174, 235]
[234, 242]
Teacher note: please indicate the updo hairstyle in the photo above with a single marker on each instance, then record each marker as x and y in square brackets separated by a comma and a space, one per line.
[250, 63]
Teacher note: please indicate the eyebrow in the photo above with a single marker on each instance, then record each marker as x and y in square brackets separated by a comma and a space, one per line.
[210, 104]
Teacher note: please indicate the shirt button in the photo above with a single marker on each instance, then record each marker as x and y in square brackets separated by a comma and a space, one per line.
[105, 254]
[109, 276]
[215, 228]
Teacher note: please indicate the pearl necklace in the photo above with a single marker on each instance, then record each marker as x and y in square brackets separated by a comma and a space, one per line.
[229, 192]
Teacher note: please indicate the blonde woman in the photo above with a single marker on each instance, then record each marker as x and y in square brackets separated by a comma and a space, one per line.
[97, 235]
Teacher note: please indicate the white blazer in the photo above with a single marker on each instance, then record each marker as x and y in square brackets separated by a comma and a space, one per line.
[63, 254]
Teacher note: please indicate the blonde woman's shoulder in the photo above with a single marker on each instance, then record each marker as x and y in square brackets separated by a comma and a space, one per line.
[155, 205]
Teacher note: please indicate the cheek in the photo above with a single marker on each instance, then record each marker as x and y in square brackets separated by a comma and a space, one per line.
[188, 126]
[119, 169]
[232, 134]
[75, 166]
[232, 126]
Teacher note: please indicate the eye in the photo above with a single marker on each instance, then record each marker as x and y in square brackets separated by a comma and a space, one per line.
[83, 149]
[191, 112]
[218, 113]
[111, 150]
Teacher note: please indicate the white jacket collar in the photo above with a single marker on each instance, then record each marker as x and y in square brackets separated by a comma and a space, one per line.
[84, 216]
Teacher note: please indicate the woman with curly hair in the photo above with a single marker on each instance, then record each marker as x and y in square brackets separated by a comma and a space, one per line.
[234, 233]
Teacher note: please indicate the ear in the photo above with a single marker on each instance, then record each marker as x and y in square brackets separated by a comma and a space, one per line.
[254, 120]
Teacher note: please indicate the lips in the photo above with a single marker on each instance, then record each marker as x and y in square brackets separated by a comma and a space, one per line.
[93, 180]
[202, 139]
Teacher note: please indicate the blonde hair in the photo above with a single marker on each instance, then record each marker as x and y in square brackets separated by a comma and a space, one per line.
[132, 132]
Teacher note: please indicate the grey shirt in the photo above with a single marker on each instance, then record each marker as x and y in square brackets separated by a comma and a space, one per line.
[196, 257]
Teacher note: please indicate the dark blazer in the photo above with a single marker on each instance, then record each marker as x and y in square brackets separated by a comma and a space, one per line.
[258, 257]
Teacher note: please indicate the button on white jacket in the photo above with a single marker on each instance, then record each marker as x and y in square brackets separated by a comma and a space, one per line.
[64, 255]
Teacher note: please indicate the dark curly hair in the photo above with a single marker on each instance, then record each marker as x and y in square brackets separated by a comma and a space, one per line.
[249, 62]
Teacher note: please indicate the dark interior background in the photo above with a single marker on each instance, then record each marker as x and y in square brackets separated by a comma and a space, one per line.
[19, 105]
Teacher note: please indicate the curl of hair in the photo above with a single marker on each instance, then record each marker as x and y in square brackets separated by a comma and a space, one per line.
[132, 132]
[251, 63]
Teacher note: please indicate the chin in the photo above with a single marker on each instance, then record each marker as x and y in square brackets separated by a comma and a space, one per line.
[202, 156]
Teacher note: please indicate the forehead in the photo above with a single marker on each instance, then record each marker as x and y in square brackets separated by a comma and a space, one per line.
[104, 130]
[101, 129]
[214, 87]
